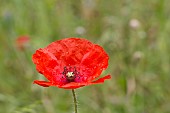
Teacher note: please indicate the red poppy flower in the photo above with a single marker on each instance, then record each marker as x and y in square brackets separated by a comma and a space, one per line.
[22, 42]
[71, 63]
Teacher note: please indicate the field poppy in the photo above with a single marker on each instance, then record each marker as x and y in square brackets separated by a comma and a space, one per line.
[71, 63]
[22, 42]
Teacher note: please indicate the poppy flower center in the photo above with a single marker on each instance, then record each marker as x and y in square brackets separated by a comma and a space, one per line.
[70, 73]
[70, 76]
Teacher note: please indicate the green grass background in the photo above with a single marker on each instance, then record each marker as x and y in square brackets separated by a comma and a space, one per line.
[139, 55]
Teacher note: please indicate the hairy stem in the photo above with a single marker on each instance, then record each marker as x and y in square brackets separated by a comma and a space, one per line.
[75, 100]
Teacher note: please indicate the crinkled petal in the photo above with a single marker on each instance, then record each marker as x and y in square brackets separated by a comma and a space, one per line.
[95, 61]
[70, 50]
[45, 62]
[96, 57]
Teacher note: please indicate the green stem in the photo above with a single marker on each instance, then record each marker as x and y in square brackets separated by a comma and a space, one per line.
[75, 100]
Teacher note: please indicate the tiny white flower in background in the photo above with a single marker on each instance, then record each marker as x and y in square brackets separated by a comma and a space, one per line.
[138, 55]
[80, 30]
[134, 23]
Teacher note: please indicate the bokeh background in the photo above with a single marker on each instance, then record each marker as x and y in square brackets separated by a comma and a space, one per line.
[135, 34]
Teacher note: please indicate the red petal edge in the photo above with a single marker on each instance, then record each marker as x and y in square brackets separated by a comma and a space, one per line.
[101, 80]
[43, 83]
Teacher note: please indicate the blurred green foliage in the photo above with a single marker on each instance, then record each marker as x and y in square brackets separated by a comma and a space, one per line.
[135, 34]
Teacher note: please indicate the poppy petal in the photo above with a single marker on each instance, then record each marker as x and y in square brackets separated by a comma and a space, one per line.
[96, 57]
[101, 80]
[95, 61]
[43, 83]
[72, 85]
[45, 62]
[70, 50]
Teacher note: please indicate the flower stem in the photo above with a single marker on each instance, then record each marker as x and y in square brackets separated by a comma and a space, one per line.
[75, 100]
